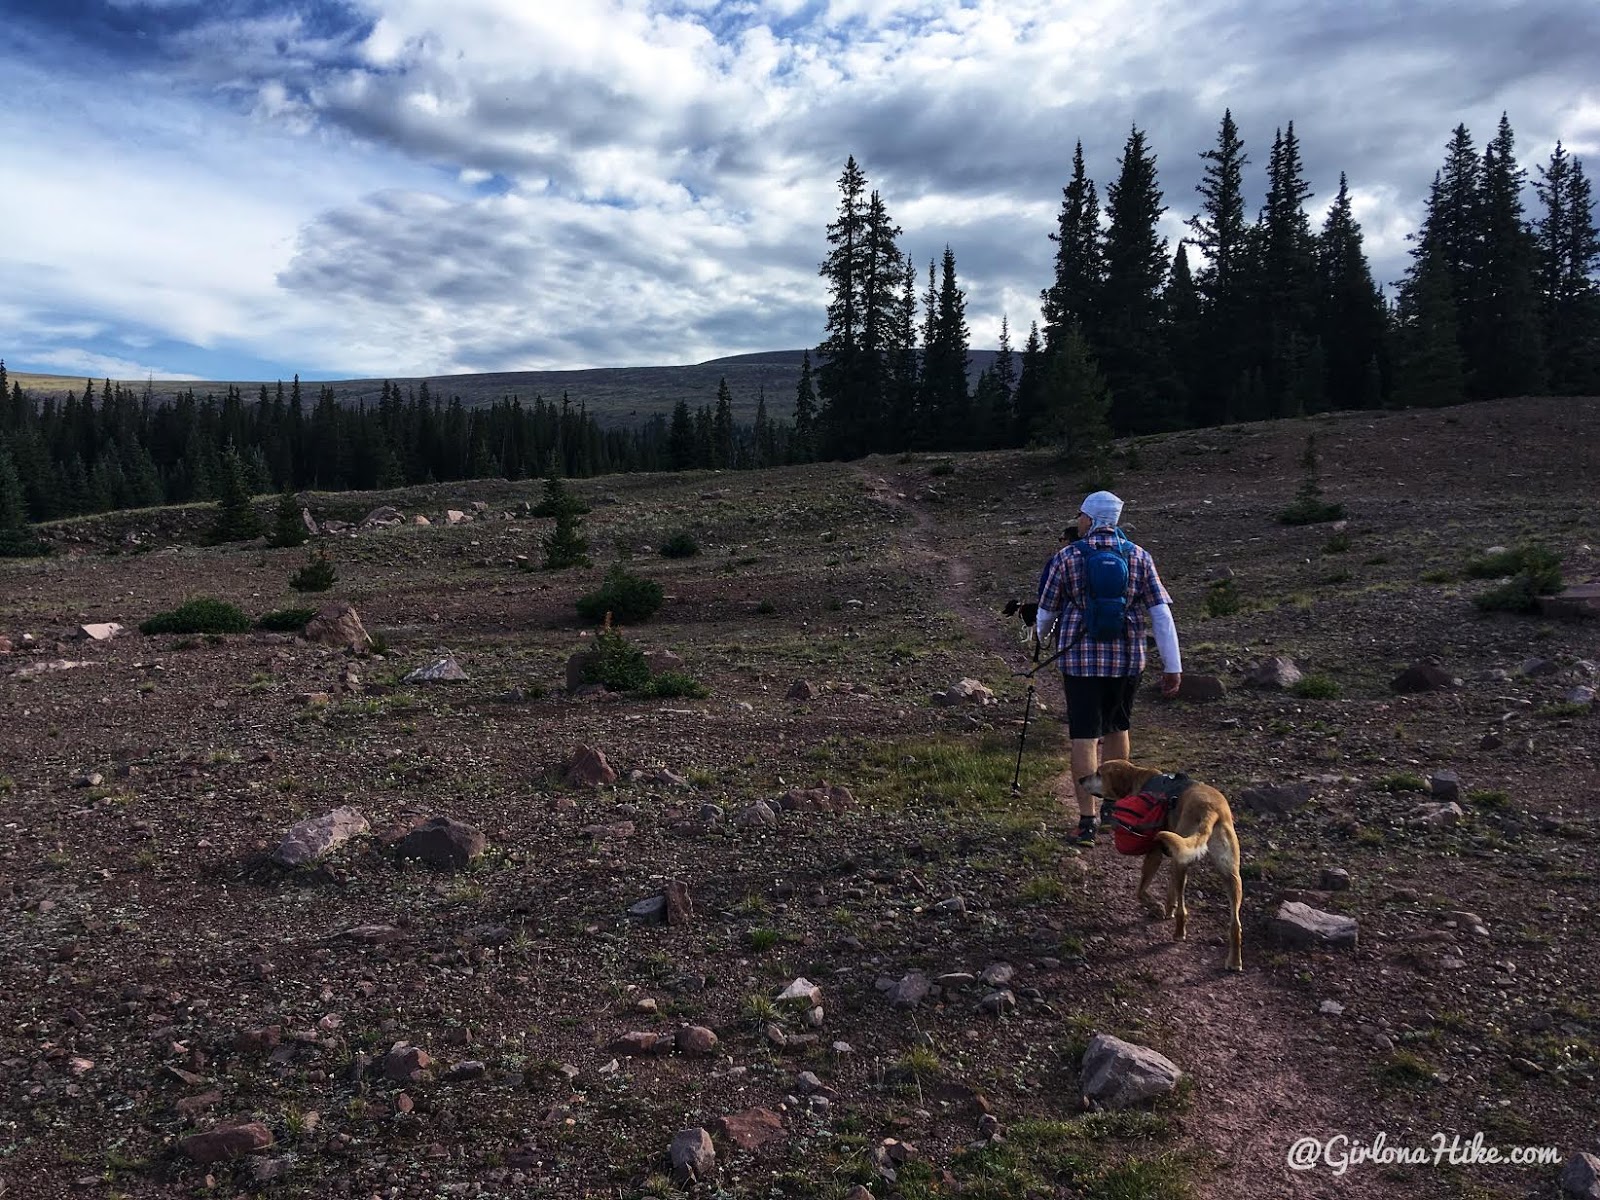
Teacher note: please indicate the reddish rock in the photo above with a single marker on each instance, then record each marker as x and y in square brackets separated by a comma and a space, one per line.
[822, 798]
[444, 842]
[227, 1142]
[1201, 689]
[588, 768]
[189, 1105]
[406, 1063]
[640, 1043]
[262, 1039]
[679, 906]
[338, 626]
[751, 1129]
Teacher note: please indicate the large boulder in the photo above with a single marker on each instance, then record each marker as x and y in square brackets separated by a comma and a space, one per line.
[444, 842]
[338, 626]
[1119, 1074]
[316, 837]
[1580, 1177]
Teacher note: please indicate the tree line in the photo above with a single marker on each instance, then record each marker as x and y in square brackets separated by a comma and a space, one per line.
[111, 447]
[1271, 318]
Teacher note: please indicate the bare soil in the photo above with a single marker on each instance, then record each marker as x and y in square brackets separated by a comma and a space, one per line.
[143, 928]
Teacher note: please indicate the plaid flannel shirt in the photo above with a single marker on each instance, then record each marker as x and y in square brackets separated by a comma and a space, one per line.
[1065, 591]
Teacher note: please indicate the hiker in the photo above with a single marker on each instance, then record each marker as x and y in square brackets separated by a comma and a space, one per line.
[1103, 595]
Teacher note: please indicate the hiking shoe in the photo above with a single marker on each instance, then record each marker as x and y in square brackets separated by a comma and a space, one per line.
[1086, 832]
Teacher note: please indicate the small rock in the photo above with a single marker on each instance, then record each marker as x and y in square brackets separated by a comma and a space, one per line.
[1201, 689]
[997, 974]
[1334, 879]
[1275, 674]
[227, 1142]
[696, 1041]
[1275, 798]
[964, 691]
[406, 1063]
[1579, 695]
[442, 670]
[1331, 1008]
[637, 1043]
[998, 1003]
[444, 842]
[910, 991]
[693, 1156]
[1536, 667]
[680, 908]
[1118, 1074]
[1423, 677]
[313, 839]
[800, 689]
[588, 768]
[1435, 816]
[1580, 1176]
[955, 906]
[99, 633]
[758, 814]
[1445, 785]
[338, 626]
[1301, 925]
[802, 993]
[650, 911]
[750, 1129]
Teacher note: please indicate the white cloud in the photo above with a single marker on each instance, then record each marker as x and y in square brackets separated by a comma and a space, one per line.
[662, 170]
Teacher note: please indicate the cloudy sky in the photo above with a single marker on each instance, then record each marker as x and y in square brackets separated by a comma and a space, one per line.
[248, 188]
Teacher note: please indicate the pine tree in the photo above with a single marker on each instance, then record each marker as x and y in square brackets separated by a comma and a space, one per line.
[1220, 234]
[763, 448]
[1568, 247]
[565, 546]
[946, 361]
[1430, 371]
[722, 454]
[680, 441]
[289, 528]
[1028, 402]
[803, 446]
[1077, 406]
[1287, 287]
[235, 520]
[1352, 320]
[1505, 347]
[1129, 339]
[1072, 296]
[13, 507]
[845, 269]
[1184, 322]
[905, 373]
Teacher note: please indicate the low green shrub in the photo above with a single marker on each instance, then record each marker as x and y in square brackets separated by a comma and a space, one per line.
[616, 663]
[318, 575]
[680, 545]
[286, 620]
[204, 614]
[627, 597]
[672, 685]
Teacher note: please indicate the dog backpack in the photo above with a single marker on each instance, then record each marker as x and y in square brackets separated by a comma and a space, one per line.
[1105, 574]
[1137, 819]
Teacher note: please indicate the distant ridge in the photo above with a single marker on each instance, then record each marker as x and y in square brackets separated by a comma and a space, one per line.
[614, 395]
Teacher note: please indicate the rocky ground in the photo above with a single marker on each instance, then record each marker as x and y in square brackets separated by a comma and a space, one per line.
[183, 1015]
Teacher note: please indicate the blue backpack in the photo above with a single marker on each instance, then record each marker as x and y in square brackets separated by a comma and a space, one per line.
[1105, 573]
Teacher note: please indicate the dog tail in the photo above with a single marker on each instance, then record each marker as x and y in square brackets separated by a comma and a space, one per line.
[1187, 850]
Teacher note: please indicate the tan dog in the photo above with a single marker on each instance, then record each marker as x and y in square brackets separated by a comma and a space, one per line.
[1199, 822]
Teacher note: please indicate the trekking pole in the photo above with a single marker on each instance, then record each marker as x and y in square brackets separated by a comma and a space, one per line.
[1016, 776]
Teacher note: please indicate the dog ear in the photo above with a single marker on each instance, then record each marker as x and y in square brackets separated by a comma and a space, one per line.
[1011, 607]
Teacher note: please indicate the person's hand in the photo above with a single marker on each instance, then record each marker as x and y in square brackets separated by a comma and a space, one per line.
[1170, 682]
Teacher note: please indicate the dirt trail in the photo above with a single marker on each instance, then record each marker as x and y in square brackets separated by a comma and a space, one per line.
[1262, 1078]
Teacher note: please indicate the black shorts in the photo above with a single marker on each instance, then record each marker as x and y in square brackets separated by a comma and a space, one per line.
[1099, 704]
